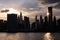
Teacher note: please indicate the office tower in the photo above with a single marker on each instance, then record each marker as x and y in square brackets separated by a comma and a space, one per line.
[35, 18]
[36, 22]
[41, 19]
[45, 19]
[21, 17]
[26, 23]
[5, 25]
[54, 20]
[50, 14]
[12, 22]
[1, 25]
[50, 11]
[33, 26]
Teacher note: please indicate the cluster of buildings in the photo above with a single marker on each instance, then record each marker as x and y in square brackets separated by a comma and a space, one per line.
[16, 23]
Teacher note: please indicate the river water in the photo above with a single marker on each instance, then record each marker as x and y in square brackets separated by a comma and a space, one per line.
[30, 36]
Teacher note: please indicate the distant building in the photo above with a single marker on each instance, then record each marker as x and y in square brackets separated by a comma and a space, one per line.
[45, 19]
[35, 18]
[1, 25]
[41, 19]
[50, 14]
[54, 20]
[26, 23]
[36, 23]
[20, 19]
[12, 22]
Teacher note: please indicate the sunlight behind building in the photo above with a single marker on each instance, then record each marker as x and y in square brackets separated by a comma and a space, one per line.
[47, 13]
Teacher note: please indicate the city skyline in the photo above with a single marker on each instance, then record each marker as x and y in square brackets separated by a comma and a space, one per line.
[15, 23]
[30, 8]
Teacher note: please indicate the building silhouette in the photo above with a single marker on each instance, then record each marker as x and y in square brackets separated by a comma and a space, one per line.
[26, 23]
[20, 19]
[1, 25]
[41, 19]
[50, 14]
[12, 22]
[36, 22]
[15, 23]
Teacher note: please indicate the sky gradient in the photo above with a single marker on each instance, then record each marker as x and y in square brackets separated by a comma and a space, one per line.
[31, 8]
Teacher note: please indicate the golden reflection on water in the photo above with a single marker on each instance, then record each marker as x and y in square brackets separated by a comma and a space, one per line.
[48, 36]
[26, 36]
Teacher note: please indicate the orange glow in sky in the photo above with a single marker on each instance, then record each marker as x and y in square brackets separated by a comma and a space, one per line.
[11, 10]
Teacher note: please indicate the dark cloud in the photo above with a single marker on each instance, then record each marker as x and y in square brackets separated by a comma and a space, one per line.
[57, 6]
[5, 10]
[49, 1]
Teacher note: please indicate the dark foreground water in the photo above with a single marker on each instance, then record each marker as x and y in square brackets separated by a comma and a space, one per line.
[30, 36]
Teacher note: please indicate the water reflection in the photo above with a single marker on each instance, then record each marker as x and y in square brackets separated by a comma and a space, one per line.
[48, 36]
[30, 36]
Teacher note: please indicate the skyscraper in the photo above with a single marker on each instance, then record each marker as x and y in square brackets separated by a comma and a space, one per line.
[36, 23]
[11, 22]
[35, 18]
[26, 23]
[21, 17]
[41, 19]
[50, 14]
[45, 19]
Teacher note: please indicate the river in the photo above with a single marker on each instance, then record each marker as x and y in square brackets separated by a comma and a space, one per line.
[30, 36]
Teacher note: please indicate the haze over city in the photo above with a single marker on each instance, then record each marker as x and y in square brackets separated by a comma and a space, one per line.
[29, 8]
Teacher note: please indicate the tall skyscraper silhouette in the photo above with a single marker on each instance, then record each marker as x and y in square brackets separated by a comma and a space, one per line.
[21, 17]
[35, 18]
[54, 20]
[50, 14]
[45, 19]
[12, 22]
[36, 22]
[26, 23]
[41, 19]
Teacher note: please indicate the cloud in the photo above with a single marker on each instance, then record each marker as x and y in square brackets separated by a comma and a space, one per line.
[4, 10]
[57, 6]
[33, 7]
[49, 1]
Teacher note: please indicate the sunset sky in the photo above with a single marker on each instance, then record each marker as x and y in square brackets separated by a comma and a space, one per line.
[30, 7]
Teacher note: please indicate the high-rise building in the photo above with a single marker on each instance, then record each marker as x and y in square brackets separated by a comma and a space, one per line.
[36, 23]
[1, 25]
[50, 11]
[50, 14]
[12, 22]
[41, 19]
[54, 20]
[35, 18]
[20, 17]
[26, 23]
[45, 19]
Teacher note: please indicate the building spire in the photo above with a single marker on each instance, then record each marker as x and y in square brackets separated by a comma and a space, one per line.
[20, 17]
